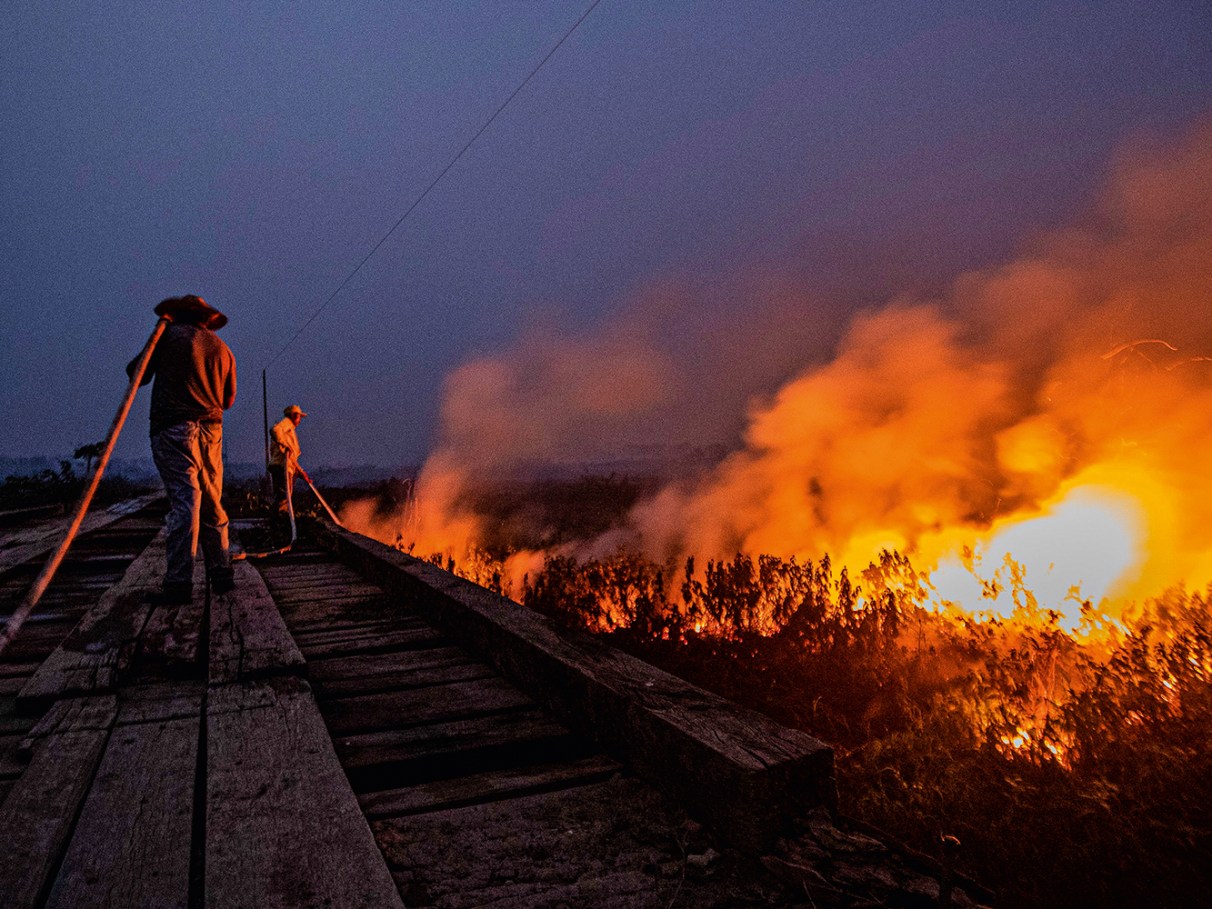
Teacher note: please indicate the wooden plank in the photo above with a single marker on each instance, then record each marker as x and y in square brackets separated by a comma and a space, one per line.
[355, 667]
[11, 764]
[511, 782]
[317, 608]
[11, 516]
[171, 638]
[324, 607]
[160, 701]
[283, 828]
[420, 638]
[400, 757]
[399, 709]
[11, 670]
[38, 815]
[301, 591]
[310, 575]
[399, 681]
[359, 631]
[342, 622]
[104, 640]
[248, 638]
[736, 769]
[131, 845]
[32, 543]
[71, 715]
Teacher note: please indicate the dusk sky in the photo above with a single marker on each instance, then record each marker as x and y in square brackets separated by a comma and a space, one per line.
[709, 154]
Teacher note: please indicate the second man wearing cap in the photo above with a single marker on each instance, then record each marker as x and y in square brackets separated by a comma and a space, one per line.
[284, 456]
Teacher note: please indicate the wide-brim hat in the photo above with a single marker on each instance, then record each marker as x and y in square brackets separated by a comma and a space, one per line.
[193, 309]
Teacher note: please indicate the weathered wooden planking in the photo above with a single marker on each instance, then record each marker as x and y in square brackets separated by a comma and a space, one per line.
[415, 706]
[160, 700]
[400, 681]
[38, 815]
[10, 685]
[29, 544]
[104, 640]
[310, 624]
[248, 638]
[400, 757]
[738, 770]
[171, 640]
[11, 516]
[10, 722]
[71, 715]
[12, 765]
[319, 646]
[352, 586]
[323, 611]
[510, 782]
[283, 828]
[131, 845]
[302, 577]
[319, 636]
[401, 661]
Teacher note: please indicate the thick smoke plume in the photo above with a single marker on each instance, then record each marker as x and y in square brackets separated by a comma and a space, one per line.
[1070, 381]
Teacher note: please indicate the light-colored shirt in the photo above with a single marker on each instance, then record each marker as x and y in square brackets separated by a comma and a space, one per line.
[284, 447]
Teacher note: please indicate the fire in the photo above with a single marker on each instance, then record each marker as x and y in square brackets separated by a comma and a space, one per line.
[1087, 545]
[1010, 438]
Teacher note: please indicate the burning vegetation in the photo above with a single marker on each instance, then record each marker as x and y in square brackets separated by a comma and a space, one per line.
[971, 546]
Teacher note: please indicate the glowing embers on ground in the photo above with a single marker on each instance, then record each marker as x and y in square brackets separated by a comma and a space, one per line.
[1086, 545]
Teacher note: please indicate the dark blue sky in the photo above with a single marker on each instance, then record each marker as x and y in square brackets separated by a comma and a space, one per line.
[254, 153]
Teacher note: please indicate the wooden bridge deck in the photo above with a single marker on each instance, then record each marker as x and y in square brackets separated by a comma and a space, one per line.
[351, 728]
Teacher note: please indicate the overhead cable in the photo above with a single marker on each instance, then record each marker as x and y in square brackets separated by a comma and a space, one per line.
[433, 183]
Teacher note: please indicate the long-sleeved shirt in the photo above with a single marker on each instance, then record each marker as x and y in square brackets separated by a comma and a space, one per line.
[195, 375]
[284, 443]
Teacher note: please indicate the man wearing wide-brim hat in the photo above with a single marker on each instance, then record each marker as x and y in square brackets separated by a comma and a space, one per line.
[195, 381]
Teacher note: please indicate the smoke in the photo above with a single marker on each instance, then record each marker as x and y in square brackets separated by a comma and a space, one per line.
[923, 426]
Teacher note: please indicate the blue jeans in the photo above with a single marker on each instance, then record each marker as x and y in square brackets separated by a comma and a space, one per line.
[189, 457]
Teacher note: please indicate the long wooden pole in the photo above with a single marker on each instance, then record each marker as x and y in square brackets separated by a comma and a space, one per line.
[17, 619]
[331, 514]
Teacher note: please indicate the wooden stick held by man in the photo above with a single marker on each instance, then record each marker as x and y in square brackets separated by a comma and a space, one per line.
[195, 381]
[284, 460]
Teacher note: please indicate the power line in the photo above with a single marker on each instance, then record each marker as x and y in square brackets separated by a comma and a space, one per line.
[349, 277]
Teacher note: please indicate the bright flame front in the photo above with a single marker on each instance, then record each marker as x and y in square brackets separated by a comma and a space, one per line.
[1083, 547]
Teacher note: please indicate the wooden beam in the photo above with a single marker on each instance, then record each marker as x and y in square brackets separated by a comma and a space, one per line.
[248, 638]
[283, 828]
[103, 641]
[510, 782]
[740, 771]
[170, 644]
[396, 757]
[28, 544]
[131, 846]
[38, 816]
[418, 706]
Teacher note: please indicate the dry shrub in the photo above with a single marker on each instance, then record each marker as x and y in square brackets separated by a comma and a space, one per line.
[1075, 770]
